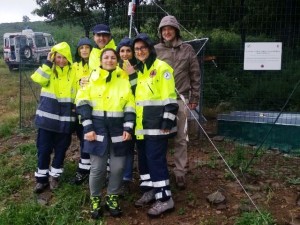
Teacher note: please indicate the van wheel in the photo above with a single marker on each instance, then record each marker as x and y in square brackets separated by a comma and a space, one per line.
[10, 67]
[26, 52]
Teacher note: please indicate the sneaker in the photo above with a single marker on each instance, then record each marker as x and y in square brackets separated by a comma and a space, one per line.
[159, 207]
[40, 187]
[80, 178]
[112, 205]
[147, 198]
[180, 182]
[53, 183]
[96, 211]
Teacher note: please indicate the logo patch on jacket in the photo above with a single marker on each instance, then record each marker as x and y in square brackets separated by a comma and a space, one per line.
[153, 73]
[167, 75]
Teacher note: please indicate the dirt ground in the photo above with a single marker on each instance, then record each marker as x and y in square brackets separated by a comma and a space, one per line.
[268, 186]
[264, 188]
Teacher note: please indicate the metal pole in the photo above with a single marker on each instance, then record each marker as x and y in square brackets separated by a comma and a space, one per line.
[20, 93]
[131, 11]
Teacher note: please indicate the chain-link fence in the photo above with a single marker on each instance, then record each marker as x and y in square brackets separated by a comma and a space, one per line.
[246, 103]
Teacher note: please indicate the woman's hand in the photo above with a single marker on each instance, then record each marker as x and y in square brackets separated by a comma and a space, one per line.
[126, 136]
[192, 106]
[50, 56]
[90, 136]
[165, 131]
[128, 68]
[83, 81]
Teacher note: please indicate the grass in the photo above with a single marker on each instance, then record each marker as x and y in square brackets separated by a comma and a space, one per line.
[63, 208]
[9, 101]
[254, 218]
[70, 204]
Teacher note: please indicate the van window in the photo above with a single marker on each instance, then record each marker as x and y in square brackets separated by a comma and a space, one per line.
[30, 42]
[40, 41]
[21, 41]
[51, 41]
[12, 41]
[6, 42]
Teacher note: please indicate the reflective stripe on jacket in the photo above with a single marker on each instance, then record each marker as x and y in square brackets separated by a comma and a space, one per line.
[156, 104]
[106, 105]
[56, 109]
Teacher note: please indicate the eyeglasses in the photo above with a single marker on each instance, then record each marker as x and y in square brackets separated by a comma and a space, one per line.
[142, 49]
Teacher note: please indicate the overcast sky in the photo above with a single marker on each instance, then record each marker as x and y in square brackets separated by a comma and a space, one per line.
[14, 10]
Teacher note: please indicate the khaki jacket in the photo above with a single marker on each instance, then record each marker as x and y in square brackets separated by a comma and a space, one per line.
[183, 59]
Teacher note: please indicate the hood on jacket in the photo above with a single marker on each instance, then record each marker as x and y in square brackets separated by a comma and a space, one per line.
[82, 41]
[169, 21]
[126, 41]
[145, 38]
[64, 49]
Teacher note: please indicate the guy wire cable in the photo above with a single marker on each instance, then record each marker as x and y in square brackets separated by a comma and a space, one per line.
[179, 23]
[214, 146]
[209, 139]
[272, 125]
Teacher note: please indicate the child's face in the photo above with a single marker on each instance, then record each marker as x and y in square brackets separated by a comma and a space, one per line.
[60, 60]
[84, 51]
[109, 60]
[126, 53]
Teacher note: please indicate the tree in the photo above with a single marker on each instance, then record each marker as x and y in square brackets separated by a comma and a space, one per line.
[60, 10]
[26, 19]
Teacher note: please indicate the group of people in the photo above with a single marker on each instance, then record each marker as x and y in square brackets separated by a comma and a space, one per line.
[117, 98]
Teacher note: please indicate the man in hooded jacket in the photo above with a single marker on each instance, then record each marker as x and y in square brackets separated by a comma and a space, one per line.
[183, 59]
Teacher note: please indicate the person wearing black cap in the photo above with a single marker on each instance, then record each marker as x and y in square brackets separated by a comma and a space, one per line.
[156, 109]
[81, 66]
[103, 39]
[127, 62]
[183, 59]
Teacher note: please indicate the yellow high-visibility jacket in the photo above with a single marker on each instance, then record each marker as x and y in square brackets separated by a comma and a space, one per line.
[106, 105]
[94, 59]
[56, 108]
[155, 96]
[81, 70]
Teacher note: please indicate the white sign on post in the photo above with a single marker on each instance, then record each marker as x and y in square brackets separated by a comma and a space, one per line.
[262, 56]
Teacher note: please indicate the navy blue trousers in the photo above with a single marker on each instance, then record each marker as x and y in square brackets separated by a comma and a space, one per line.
[153, 167]
[47, 143]
[128, 172]
[84, 164]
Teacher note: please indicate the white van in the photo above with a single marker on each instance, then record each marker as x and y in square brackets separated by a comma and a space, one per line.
[27, 47]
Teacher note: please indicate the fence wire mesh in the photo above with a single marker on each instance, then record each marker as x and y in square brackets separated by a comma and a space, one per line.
[226, 88]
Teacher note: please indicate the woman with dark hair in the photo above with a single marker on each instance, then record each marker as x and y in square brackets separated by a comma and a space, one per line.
[107, 110]
[156, 109]
[82, 70]
[127, 62]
